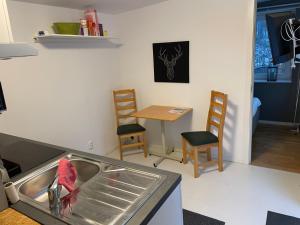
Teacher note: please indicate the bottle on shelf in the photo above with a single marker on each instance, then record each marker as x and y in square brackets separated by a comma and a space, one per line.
[92, 22]
[83, 28]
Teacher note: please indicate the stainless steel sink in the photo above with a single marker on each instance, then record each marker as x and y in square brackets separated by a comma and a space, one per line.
[37, 187]
[105, 194]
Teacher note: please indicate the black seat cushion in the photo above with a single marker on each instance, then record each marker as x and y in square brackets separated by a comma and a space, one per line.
[197, 138]
[129, 128]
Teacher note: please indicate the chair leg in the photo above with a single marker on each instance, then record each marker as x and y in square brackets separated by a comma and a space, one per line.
[196, 163]
[220, 156]
[145, 145]
[139, 140]
[184, 145]
[208, 152]
[120, 148]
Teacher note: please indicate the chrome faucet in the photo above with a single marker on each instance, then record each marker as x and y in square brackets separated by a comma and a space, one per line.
[54, 192]
[5, 178]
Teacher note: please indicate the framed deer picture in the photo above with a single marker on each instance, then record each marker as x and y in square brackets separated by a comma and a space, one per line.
[171, 62]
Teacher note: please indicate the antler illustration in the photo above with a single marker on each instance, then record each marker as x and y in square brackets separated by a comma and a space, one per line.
[170, 64]
[162, 55]
[178, 53]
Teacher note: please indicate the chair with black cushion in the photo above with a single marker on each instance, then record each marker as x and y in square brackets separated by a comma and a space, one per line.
[131, 134]
[203, 141]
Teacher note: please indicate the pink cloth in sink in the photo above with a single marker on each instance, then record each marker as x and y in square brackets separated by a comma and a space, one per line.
[67, 174]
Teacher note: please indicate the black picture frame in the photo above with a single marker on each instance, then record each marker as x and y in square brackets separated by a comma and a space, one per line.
[171, 62]
[2, 100]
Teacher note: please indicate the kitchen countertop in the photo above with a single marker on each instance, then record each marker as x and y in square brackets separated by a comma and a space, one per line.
[12, 217]
[142, 216]
[27, 154]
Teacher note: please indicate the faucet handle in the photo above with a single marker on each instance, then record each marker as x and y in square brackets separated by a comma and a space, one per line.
[4, 175]
[69, 156]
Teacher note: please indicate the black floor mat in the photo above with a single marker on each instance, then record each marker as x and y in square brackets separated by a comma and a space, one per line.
[191, 218]
[280, 219]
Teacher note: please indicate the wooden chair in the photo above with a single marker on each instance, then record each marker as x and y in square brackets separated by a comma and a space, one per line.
[125, 105]
[203, 141]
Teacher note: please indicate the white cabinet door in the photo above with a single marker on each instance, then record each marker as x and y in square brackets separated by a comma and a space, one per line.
[5, 29]
[170, 213]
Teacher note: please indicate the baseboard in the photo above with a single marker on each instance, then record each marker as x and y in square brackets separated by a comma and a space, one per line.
[155, 148]
[112, 150]
[276, 123]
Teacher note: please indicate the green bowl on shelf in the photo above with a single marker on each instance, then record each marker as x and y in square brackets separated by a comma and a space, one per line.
[66, 28]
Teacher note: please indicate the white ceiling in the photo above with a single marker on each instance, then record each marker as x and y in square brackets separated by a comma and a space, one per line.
[104, 6]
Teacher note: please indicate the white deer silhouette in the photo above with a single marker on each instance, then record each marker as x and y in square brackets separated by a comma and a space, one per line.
[170, 64]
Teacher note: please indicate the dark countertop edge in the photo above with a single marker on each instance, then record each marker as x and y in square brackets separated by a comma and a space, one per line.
[142, 216]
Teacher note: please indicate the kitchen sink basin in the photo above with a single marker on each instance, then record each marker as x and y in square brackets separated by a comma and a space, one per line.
[105, 194]
[37, 187]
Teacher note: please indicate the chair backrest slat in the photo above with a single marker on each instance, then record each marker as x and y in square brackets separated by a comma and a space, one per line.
[124, 91]
[217, 113]
[124, 116]
[125, 100]
[125, 105]
[216, 104]
[215, 124]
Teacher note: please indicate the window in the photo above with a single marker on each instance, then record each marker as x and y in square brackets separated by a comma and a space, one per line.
[263, 55]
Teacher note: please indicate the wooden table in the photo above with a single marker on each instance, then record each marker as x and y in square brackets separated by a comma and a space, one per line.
[163, 114]
[11, 217]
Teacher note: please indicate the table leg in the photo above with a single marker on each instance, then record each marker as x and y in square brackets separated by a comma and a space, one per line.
[158, 161]
[163, 135]
[163, 141]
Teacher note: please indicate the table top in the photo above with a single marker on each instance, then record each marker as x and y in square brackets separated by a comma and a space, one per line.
[165, 113]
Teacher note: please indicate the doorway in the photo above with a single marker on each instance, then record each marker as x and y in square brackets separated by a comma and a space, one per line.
[275, 109]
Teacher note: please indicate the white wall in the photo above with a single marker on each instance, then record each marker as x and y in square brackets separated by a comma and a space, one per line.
[220, 35]
[63, 96]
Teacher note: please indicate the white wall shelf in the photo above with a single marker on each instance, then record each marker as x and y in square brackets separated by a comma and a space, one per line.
[73, 38]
